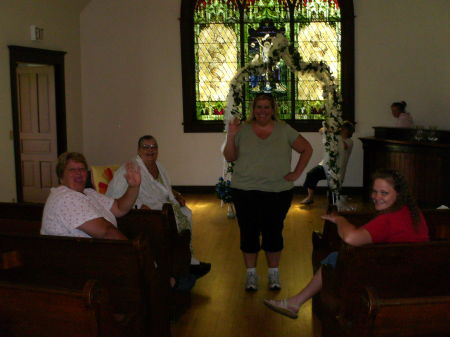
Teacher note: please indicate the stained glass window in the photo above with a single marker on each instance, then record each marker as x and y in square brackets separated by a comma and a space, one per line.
[228, 34]
[217, 50]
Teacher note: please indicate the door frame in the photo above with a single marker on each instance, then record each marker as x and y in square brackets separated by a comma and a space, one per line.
[18, 54]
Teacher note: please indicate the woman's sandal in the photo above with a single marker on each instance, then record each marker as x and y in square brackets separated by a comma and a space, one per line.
[281, 307]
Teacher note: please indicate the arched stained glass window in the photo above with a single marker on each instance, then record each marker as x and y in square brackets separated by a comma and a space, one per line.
[221, 36]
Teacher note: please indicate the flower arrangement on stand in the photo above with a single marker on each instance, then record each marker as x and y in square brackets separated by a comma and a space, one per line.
[223, 190]
[280, 49]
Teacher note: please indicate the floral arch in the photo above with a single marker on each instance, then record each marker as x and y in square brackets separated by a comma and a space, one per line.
[280, 49]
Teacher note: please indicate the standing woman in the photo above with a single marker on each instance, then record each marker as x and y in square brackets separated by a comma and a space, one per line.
[262, 182]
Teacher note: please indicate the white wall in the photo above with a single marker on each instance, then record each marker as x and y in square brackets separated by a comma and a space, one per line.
[132, 86]
[403, 54]
[132, 80]
[60, 20]
[402, 50]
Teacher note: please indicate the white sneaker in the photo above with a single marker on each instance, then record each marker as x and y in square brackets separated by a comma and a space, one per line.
[252, 282]
[274, 281]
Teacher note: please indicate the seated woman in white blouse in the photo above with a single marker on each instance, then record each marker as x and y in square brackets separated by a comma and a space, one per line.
[73, 210]
[156, 189]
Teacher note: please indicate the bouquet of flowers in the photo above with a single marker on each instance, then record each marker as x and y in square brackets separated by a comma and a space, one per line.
[223, 190]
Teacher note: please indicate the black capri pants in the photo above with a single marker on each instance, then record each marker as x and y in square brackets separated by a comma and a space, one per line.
[313, 176]
[261, 214]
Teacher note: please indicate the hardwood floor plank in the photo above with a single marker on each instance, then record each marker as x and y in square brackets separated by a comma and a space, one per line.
[220, 305]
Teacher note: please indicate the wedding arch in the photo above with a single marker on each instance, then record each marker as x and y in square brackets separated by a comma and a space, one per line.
[261, 64]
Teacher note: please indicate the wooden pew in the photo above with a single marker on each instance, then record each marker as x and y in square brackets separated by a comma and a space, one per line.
[21, 211]
[412, 316]
[402, 279]
[125, 268]
[42, 311]
[171, 249]
[439, 223]
[10, 259]
[22, 218]
[326, 306]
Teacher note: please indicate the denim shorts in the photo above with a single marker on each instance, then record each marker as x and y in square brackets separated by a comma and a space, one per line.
[331, 259]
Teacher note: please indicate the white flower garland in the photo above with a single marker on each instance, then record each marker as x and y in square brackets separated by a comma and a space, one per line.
[280, 50]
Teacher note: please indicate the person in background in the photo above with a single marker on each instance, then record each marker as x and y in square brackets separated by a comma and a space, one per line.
[262, 182]
[156, 189]
[398, 219]
[319, 172]
[73, 210]
[403, 118]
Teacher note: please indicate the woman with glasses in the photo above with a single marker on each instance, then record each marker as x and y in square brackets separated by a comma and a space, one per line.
[73, 210]
[156, 190]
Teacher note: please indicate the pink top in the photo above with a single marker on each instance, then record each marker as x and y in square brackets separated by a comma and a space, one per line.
[66, 209]
[396, 227]
[404, 120]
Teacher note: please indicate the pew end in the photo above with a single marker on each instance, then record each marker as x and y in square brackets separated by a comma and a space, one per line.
[381, 290]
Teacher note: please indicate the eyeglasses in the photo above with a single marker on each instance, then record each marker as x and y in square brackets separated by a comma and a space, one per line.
[149, 146]
[76, 170]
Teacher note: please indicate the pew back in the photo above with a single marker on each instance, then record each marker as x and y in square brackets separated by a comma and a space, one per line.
[23, 211]
[410, 275]
[70, 261]
[22, 218]
[412, 316]
[40, 311]
[395, 270]
[171, 250]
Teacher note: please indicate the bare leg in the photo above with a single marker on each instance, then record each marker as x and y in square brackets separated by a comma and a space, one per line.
[313, 287]
[250, 259]
[290, 306]
[273, 259]
[309, 198]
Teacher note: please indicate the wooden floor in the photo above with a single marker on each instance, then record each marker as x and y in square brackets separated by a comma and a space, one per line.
[220, 305]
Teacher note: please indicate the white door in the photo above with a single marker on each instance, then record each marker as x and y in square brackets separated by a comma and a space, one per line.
[37, 125]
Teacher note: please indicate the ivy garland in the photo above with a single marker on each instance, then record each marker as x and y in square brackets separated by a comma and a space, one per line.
[280, 49]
